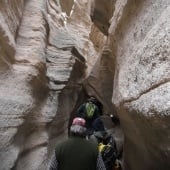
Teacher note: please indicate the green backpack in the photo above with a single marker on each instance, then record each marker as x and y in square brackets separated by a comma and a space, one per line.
[90, 109]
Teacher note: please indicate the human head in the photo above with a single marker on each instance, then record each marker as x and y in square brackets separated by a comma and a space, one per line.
[92, 99]
[98, 125]
[96, 102]
[78, 127]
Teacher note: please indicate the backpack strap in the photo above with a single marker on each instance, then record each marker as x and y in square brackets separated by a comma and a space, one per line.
[101, 147]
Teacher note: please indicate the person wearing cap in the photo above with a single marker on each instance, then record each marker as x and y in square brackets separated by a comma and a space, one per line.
[107, 145]
[76, 153]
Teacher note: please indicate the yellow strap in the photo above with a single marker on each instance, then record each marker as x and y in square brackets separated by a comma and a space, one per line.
[101, 147]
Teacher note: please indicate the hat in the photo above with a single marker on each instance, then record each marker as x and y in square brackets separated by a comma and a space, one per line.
[98, 125]
[79, 121]
[92, 99]
[78, 127]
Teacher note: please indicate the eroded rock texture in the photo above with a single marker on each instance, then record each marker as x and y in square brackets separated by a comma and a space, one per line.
[139, 40]
[43, 60]
[49, 61]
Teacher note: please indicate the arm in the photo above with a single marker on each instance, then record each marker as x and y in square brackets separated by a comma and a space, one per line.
[53, 164]
[100, 163]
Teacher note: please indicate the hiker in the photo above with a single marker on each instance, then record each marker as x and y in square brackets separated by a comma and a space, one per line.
[90, 110]
[106, 145]
[76, 153]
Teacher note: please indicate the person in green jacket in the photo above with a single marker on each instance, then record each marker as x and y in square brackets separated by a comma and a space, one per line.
[76, 153]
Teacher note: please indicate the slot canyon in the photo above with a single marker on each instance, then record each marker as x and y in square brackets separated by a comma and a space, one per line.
[56, 53]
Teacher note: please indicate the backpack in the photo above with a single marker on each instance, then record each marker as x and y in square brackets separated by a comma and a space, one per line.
[90, 109]
[108, 154]
[107, 148]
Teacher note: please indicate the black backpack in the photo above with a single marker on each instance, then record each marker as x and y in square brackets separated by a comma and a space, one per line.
[109, 156]
[108, 150]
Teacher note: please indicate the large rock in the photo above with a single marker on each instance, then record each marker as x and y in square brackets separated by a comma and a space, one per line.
[139, 41]
[43, 65]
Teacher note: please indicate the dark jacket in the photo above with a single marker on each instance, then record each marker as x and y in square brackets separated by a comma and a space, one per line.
[76, 153]
[110, 154]
[82, 112]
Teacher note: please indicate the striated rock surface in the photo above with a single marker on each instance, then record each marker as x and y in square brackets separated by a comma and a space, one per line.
[139, 38]
[10, 16]
[44, 58]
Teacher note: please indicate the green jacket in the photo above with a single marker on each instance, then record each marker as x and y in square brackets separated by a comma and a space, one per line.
[76, 154]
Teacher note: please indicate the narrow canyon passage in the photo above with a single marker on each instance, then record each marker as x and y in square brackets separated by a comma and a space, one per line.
[111, 124]
[56, 53]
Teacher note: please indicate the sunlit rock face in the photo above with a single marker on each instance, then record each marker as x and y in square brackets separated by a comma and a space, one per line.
[44, 58]
[139, 40]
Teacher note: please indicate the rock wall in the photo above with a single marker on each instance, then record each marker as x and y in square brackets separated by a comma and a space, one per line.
[10, 16]
[44, 57]
[139, 41]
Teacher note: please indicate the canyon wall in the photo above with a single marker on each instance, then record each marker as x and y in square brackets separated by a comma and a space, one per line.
[44, 57]
[139, 46]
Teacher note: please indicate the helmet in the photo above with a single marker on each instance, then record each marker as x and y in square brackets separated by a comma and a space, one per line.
[79, 121]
